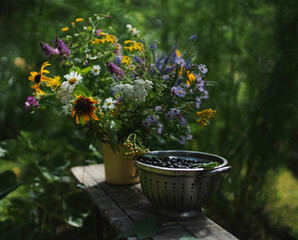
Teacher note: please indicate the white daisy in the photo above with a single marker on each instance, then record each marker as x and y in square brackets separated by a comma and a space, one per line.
[134, 31]
[95, 70]
[73, 78]
[109, 103]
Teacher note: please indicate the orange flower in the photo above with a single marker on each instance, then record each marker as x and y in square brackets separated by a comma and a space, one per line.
[65, 29]
[191, 78]
[83, 109]
[39, 77]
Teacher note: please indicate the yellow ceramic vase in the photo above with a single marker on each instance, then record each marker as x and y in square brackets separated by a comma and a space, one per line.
[118, 170]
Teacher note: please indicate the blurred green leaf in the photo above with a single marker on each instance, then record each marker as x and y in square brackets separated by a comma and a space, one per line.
[8, 183]
[76, 208]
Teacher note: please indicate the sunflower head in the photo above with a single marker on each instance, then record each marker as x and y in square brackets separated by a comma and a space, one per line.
[83, 109]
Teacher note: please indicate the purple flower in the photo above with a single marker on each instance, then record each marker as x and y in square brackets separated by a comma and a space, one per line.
[165, 77]
[153, 46]
[203, 68]
[117, 60]
[98, 32]
[31, 102]
[193, 38]
[86, 63]
[150, 120]
[200, 87]
[206, 95]
[180, 61]
[48, 51]
[115, 69]
[137, 59]
[182, 121]
[158, 108]
[175, 112]
[159, 128]
[178, 91]
[60, 45]
[188, 136]
[198, 102]
[182, 140]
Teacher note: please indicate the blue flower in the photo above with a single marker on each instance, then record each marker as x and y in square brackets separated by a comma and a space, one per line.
[193, 38]
[198, 102]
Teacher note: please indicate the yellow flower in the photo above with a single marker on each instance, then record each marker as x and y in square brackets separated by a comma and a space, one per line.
[127, 41]
[65, 29]
[72, 24]
[191, 78]
[126, 60]
[39, 77]
[207, 113]
[55, 82]
[79, 20]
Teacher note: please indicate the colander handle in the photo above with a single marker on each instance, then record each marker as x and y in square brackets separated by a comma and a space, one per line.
[218, 170]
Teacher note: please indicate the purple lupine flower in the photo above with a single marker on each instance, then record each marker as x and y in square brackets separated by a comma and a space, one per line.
[188, 63]
[31, 102]
[178, 91]
[60, 45]
[182, 140]
[169, 69]
[159, 64]
[193, 38]
[48, 50]
[152, 69]
[159, 128]
[198, 102]
[203, 68]
[165, 60]
[117, 60]
[98, 32]
[114, 69]
[137, 59]
[153, 46]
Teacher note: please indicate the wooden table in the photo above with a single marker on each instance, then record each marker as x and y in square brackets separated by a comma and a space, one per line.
[122, 205]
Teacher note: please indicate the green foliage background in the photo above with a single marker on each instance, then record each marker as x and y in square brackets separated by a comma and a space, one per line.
[250, 49]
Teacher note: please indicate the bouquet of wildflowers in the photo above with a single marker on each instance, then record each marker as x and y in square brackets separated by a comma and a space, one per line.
[122, 89]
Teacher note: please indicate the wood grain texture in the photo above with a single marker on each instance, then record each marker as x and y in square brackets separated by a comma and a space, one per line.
[122, 205]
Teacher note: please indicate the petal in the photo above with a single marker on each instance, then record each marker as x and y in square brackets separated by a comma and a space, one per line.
[77, 119]
[87, 117]
[92, 114]
[82, 117]
[46, 79]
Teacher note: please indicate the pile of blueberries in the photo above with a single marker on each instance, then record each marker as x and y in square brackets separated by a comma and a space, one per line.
[175, 162]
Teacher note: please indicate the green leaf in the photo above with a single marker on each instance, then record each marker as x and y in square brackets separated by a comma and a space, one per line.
[143, 228]
[76, 208]
[81, 90]
[85, 70]
[8, 183]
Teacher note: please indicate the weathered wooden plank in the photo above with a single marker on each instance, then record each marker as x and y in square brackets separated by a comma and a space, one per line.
[122, 205]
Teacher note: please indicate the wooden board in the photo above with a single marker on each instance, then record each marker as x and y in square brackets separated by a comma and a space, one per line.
[122, 205]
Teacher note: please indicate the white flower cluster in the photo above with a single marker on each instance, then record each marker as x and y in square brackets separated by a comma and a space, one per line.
[138, 91]
[65, 94]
